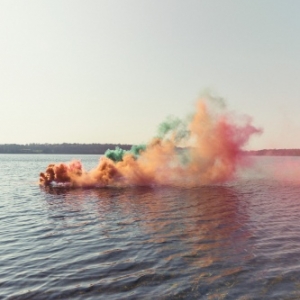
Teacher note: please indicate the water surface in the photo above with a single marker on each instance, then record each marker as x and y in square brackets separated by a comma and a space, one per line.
[238, 240]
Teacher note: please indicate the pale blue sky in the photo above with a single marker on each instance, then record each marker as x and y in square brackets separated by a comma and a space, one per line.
[111, 71]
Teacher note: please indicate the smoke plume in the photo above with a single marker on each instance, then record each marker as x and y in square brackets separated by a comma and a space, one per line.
[204, 148]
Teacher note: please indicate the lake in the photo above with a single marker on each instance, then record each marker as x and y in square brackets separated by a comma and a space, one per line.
[238, 240]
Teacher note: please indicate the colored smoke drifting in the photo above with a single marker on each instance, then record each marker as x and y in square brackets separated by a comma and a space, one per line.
[205, 148]
[119, 153]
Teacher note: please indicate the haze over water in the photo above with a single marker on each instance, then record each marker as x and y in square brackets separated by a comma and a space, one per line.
[237, 240]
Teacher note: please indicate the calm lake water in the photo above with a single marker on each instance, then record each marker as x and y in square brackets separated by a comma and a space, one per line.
[239, 240]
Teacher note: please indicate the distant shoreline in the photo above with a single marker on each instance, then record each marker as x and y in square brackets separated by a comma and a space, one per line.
[274, 152]
[99, 149]
[64, 148]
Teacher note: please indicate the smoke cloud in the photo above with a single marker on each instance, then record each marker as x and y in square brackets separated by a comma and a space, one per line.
[205, 148]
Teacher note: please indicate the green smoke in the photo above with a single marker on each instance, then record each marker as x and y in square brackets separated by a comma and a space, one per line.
[177, 130]
[137, 149]
[118, 154]
[174, 127]
[115, 155]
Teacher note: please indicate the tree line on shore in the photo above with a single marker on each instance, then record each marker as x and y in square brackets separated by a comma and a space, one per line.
[76, 148]
[64, 148]
[275, 152]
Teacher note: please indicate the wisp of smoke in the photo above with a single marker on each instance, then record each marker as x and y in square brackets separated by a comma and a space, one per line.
[205, 148]
[118, 153]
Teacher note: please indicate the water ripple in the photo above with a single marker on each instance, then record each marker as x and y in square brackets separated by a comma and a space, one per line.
[233, 241]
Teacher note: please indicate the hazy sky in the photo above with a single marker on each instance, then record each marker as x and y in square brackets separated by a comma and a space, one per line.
[111, 71]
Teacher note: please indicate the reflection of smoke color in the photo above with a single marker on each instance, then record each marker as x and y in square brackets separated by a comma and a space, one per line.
[205, 148]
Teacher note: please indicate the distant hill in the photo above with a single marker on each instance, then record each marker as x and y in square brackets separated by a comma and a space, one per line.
[64, 148]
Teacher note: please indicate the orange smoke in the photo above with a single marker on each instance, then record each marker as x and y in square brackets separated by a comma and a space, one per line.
[210, 154]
